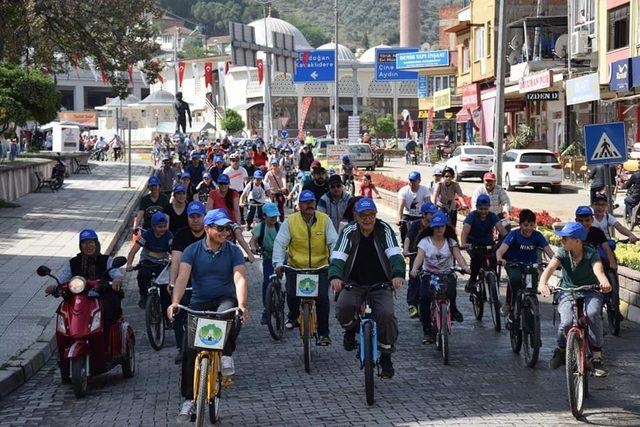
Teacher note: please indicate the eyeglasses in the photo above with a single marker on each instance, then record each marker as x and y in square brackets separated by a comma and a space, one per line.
[367, 216]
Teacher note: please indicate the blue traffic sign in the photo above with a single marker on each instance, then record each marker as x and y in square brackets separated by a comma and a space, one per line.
[284, 133]
[315, 66]
[605, 143]
[386, 64]
[422, 59]
[423, 86]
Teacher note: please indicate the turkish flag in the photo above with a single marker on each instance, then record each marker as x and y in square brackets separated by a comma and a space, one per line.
[260, 70]
[226, 67]
[180, 72]
[208, 74]
[130, 71]
[305, 58]
[105, 78]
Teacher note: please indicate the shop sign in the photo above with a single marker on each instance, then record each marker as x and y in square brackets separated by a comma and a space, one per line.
[423, 86]
[620, 75]
[470, 97]
[635, 78]
[542, 96]
[536, 81]
[583, 89]
[422, 59]
[85, 118]
[442, 99]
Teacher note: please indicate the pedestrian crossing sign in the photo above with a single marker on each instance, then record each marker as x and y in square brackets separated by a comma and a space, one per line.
[605, 143]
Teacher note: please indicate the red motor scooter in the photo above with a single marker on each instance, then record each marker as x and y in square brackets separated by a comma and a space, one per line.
[82, 351]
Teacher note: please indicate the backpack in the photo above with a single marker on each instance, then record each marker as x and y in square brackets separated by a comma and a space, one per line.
[262, 231]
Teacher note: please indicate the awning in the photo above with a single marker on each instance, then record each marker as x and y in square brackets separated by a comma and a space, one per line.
[244, 107]
[463, 116]
[460, 26]
[540, 21]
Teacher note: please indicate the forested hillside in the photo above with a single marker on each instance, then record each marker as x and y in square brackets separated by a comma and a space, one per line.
[363, 23]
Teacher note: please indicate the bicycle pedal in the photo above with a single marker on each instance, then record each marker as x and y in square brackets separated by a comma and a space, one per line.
[227, 382]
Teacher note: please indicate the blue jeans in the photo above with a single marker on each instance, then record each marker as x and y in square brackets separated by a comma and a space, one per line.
[629, 203]
[413, 286]
[592, 309]
[267, 271]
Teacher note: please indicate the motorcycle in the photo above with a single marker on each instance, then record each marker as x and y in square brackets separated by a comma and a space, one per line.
[82, 351]
[445, 151]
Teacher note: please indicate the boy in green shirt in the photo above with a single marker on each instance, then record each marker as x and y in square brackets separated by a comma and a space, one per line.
[262, 239]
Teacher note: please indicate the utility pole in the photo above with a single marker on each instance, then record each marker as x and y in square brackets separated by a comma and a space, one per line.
[266, 113]
[336, 104]
[498, 131]
[175, 60]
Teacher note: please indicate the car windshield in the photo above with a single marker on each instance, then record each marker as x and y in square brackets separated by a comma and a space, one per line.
[538, 158]
[479, 150]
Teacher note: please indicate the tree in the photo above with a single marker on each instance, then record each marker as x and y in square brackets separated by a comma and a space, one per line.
[368, 119]
[365, 41]
[385, 126]
[192, 48]
[232, 123]
[50, 35]
[25, 95]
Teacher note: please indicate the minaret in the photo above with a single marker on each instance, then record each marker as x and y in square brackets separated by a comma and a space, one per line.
[410, 23]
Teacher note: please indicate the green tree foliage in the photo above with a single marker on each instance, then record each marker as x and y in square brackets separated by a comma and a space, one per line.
[385, 126]
[25, 95]
[232, 122]
[215, 15]
[51, 34]
[192, 48]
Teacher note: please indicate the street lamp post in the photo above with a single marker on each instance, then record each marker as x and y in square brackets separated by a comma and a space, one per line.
[266, 114]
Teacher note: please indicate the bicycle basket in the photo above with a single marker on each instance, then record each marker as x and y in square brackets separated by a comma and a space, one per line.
[208, 334]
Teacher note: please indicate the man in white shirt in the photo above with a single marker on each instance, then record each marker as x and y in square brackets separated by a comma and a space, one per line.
[410, 198]
[500, 202]
[238, 177]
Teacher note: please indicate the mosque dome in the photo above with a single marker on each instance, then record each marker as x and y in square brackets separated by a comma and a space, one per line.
[369, 55]
[344, 53]
[280, 26]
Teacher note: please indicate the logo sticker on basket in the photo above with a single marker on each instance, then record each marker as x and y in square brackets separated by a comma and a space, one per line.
[210, 334]
[307, 285]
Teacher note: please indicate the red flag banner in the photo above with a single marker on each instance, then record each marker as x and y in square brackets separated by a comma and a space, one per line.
[305, 58]
[105, 78]
[208, 74]
[181, 65]
[306, 104]
[74, 62]
[260, 70]
[130, 71]
[227, 65]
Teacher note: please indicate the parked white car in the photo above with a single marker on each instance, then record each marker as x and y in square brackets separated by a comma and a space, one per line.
[471, 161]
[536, 168]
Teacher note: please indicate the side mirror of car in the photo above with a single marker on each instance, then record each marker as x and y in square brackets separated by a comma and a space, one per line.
[118, 262]
[43, 271]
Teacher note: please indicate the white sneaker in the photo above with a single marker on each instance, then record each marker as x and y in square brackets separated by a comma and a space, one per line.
[228, 367]
[185, 411]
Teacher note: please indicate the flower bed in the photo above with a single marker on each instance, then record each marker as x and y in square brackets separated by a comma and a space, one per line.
[382, 181]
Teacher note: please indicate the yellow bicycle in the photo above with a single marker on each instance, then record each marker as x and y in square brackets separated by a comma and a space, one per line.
[207, 332]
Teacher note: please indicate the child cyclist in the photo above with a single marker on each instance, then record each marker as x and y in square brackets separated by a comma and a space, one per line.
[437, 250]
[581, 266]
[255, 194]
[262, 237]
[521, 245]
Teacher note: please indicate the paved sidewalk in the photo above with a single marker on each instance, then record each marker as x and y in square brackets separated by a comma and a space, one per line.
[44, 230]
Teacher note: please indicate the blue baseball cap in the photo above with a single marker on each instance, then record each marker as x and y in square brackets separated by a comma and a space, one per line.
[270, 209]
[439, 219]
[483, 200]
[258, 175]
[217, 217]
[574, 230]
[179, 188]
[206, 175]
[428, 207]
[275, 161]
[414, 176]
[185, 175]
[217, 159]
[365, 204]
[88, 234]
[307, 196]
[223, 179]
[437, 171]
[167, 159]
[196, 207]
[154, 180]
[584, 211]
[158, 218]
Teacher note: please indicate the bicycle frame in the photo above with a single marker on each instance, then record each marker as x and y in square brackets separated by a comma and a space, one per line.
[311, 302]
[212, 381]
[440, 298]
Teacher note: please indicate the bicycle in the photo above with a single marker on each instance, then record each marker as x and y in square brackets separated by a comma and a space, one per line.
[578, 350]
[207, 333]
[155, 319]
[486, 288]
[275, 302]
[368, 338]
[524, 322]
[440, 312]
[349, 184]
[307, 287]
[612, 300]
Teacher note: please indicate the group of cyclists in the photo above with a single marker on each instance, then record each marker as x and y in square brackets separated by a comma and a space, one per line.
[195, 210]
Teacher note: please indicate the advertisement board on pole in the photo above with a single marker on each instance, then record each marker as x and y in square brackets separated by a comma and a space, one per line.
[354, 129]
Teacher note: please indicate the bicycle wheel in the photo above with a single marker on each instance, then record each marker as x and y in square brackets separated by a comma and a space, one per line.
[575, 374]
[531, 331]
[444, 332]
[494, 301]
[477, 299]
[153, 317]
[367, 332]
[515, 332]
[214, 403]
[275, 310]
[201, 398]
[306, 336]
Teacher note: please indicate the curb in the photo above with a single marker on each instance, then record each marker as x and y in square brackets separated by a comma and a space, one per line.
[24, 366]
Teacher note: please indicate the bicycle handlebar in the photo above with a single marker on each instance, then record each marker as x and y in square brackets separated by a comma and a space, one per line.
[578, 289]
[525, 264]
[304, 270]
[375, 286]
[209, 313]
[424, 273]
[144, 264]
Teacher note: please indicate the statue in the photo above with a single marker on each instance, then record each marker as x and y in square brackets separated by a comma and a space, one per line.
[180, 107]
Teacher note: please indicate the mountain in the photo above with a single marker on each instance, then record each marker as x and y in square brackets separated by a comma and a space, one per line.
[363, 23]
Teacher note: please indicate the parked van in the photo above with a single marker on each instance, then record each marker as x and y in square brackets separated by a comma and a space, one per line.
[360, 154]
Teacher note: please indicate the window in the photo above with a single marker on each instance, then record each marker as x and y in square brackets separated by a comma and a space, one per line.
[488, 42]
[466, 59]
[478, 43]
[538, 158]
[509, 157]
[618, 21]
[440, 82]
[486, 151]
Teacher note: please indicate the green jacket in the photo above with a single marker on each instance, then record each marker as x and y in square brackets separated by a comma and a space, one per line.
[387, 247]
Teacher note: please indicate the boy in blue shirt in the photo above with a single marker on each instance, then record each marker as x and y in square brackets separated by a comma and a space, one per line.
[156, 247]
[262, 239]
[521, 245]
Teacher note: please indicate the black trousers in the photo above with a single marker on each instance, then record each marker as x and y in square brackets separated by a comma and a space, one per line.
[112, 309]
